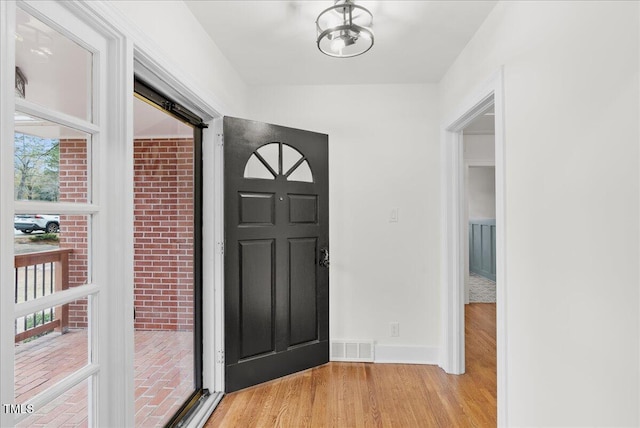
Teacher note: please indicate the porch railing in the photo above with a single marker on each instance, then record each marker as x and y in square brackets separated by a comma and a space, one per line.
[38, 275]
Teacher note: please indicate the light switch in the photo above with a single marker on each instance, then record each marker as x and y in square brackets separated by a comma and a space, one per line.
[393, 217]
[395, 329]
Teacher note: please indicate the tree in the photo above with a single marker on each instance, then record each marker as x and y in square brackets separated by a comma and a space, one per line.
[36, 168]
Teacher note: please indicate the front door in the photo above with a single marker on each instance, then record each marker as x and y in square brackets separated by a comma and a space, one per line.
[276, 251]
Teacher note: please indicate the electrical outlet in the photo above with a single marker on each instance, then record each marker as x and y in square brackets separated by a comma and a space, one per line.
[395, 329]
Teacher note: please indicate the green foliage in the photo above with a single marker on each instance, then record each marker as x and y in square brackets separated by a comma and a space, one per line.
[35, 320]
[38, 318]
[44, 237]
[36, 168]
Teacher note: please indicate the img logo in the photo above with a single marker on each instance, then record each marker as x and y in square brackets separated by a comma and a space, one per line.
[17, 408]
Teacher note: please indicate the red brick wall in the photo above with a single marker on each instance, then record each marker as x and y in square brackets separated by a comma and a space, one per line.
[163, 234]
[163, 230]
[73, 188]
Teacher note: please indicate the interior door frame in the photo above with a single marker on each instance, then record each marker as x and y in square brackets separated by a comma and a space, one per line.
[151, 65]
[453, 242]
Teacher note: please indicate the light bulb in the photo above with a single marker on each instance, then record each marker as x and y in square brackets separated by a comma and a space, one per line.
[337, 44]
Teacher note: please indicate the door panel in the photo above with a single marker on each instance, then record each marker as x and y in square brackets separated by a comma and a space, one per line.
[276, 223]
[303, 209]
[256, 209]
[302, 290]
[256, 297]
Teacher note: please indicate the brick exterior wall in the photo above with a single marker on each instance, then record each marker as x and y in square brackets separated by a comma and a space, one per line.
[163, 230]
[74, 228]
[163, 234]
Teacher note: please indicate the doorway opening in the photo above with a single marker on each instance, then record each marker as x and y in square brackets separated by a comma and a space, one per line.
[456, 239]
[478, 143]
[186, 101]
[479, 228]
[167, 259]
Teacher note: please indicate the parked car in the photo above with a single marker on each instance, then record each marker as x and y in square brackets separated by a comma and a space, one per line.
[27, 223]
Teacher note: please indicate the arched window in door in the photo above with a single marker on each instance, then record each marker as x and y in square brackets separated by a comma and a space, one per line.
[274, 159]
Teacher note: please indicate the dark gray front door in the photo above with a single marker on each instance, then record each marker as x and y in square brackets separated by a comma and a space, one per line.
[276, 239]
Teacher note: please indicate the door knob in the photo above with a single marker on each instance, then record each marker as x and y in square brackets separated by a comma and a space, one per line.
[324, 258]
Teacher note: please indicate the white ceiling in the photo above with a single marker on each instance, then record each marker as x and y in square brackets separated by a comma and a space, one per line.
[273, 42]
[268, 43]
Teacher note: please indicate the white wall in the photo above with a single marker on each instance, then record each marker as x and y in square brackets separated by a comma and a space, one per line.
[383, 154]
[174, 29]
[571, 115]
[571, 88]
[481, 147]
[482, 192]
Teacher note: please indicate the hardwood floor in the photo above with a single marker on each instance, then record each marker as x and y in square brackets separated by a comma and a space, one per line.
[380, 395]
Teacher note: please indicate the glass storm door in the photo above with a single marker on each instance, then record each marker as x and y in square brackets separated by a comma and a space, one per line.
[167, 259]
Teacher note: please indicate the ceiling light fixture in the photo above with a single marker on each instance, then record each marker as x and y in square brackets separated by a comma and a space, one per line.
[344, 30]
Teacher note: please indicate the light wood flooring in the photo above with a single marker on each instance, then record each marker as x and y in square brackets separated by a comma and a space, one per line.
[378, 395]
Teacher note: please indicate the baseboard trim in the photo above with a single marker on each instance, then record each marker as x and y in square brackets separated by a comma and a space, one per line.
[392, 354]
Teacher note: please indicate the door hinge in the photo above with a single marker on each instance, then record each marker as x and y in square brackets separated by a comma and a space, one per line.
[220, 140]
[221, 244]
[220, 359]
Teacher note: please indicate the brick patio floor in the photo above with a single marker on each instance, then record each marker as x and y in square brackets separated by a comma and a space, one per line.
[163, 376]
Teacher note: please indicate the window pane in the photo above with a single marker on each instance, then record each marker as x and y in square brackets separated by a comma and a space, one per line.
[271, 154]
[56, 70]
[46, 263]
[256, 169]
[50, 161]
[301, 173]
[36, 232]
[43, 360]
[289, 157]
[69, 409]
[51, 343]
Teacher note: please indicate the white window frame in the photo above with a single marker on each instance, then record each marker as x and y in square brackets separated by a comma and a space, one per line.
[112, 350]
[7, 306]
[128, 51]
